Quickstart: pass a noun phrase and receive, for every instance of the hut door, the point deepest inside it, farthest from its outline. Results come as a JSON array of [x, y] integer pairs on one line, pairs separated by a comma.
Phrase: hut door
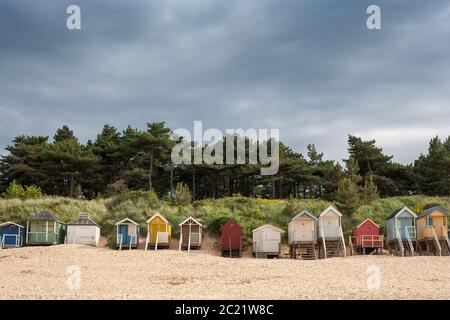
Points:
[[185, 234], [402, 224], [306, 230], [123, 230]]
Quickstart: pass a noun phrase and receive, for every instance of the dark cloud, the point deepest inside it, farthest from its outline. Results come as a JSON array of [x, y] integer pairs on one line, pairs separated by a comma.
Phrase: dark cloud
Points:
[[310, 68]]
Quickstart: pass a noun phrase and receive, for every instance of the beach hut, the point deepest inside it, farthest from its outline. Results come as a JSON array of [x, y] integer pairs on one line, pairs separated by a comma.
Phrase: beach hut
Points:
[[366, 237], [331, 237], [302, 236], [159, 232], [267, 241], [127, 234], [190, 234], [45, 229], [11, 235], [83, 231], [231, 239], [401, 232], [432, 231]]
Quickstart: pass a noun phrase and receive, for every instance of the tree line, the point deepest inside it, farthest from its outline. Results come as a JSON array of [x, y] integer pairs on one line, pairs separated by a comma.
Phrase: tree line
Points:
[[132, 159]]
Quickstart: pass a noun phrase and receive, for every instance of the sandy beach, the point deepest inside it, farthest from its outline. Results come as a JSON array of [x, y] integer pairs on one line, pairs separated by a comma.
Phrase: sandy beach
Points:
[[42, 273]]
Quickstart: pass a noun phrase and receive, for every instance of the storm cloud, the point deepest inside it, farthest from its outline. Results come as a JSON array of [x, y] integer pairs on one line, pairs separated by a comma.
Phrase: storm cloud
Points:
[[310, 68]]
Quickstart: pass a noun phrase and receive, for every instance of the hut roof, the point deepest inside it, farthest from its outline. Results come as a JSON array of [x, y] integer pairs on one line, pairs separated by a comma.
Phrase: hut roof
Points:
[[83, 219], [193, 220], [44, 216], [331, 208], [158, 215], [269, 226], [232, 221], [397, 212], [393, 214], [127, 220], [431, 210], [368, 219], [4, 224], [304, 212]]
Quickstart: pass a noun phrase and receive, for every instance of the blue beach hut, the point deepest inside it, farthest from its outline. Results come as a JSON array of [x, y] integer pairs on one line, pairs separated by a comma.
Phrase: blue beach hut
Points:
[[11, 235], [401, 235], [127, 234]]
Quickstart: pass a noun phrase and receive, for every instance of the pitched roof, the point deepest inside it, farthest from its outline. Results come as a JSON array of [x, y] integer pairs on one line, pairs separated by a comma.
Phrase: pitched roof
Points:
[[193, 220], [393, 214], [368, 219], [431, 210], [127, 220], [83, 219], [396, 212], [332, 209], [269, 226], [44, 216], [158, 215], [9, 223], [304, 212]]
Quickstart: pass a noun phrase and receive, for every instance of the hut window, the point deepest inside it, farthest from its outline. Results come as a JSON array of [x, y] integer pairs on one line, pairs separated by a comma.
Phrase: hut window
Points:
[[430, 222]]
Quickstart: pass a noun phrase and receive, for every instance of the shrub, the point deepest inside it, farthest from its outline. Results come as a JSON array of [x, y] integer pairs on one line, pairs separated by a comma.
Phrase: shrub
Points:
[[112, 242], [216, 223], [182, 196], [117, 187], [14, 191], [17, 191], [33, 192]]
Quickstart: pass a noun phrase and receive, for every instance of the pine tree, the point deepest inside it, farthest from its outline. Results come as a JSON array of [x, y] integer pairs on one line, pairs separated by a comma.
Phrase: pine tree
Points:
[[369, 191], [64, 134], [348, 196]]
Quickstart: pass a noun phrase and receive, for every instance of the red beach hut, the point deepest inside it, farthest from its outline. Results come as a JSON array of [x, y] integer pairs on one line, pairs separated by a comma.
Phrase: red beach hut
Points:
[[366, 236], [231, 239]]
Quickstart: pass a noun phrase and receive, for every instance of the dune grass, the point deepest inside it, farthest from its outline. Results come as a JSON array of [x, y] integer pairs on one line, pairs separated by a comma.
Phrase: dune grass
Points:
[[249, 212]]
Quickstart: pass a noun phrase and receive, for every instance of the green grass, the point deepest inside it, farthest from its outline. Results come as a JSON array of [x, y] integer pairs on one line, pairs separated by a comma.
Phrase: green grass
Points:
[[250, 213]]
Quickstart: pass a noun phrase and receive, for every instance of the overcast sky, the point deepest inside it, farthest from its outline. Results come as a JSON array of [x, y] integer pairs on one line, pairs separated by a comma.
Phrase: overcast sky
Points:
[[310, 68]]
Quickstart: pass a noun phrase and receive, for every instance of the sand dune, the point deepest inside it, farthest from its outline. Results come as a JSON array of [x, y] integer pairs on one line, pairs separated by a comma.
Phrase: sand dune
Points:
[[41, 273]]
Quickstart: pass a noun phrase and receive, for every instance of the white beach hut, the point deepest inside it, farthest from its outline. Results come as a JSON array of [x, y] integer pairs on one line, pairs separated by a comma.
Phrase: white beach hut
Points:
[[302, 236], [190, 234], [331, 237], [83, 231], [267, 241]]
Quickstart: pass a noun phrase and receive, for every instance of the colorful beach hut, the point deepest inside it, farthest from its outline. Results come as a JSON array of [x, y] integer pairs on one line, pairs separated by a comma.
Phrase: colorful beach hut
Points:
[[432, 231], [45, 229], [401, 232], [366, 238], [231, 239], [190, 234], [159, 232], [267, 241], [127, 234], [331, 237], [12, 235], [302, 236], [83, 231]]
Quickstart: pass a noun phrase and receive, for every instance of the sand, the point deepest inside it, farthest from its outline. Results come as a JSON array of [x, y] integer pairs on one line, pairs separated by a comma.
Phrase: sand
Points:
[[41, 273]]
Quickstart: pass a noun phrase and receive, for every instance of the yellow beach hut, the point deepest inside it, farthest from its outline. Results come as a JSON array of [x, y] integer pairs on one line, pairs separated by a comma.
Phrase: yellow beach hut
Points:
[[159, 232], [432, 231]]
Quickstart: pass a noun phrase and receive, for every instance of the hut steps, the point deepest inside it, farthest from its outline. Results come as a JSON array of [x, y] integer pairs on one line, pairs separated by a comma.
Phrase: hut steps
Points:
[[445, 248], [307, 252], [334, 249]]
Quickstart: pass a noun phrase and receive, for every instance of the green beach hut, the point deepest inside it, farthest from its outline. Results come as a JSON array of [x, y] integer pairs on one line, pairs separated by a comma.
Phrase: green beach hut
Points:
[[45, 229]]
